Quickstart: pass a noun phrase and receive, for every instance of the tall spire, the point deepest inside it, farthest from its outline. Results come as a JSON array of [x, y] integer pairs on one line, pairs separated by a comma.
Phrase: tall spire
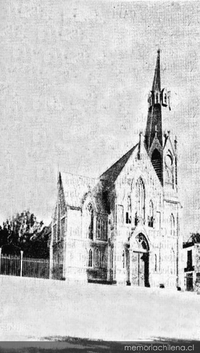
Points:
[[156, 81], [154, 119], [153, 134]]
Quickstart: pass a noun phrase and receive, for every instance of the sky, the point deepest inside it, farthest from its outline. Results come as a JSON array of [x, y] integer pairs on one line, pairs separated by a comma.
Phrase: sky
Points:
[[74, 81]]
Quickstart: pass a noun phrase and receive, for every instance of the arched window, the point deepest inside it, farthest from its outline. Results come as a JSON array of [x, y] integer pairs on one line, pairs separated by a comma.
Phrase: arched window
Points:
[[156, 263], [165, 98], [123, 259], [90, 258], [97, 257], [128, 212], [102, 259], [169, 169], [140, 197], [104, 229], [142, 241], [111, 258], [151, 214], [172, 225], [89, 221], [98, 228], [172, 262]]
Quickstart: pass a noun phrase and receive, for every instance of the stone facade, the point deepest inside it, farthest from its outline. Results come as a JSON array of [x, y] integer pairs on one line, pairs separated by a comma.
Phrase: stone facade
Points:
[[123, 227]]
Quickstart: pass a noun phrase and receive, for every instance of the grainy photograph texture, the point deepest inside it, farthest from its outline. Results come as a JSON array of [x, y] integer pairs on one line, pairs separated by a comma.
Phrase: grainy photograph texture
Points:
[[99, 171]]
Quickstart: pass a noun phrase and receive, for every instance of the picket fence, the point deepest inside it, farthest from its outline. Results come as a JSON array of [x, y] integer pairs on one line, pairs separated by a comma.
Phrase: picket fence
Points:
[[25, 267]]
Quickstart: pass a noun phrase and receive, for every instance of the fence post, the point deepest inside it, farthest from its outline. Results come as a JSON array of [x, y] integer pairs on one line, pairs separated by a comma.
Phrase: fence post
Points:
[[0, 260], [21, 262], [51, 258]]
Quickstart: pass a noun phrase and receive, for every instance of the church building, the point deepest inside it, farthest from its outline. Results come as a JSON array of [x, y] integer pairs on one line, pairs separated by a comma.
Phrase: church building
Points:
[[123, 228]]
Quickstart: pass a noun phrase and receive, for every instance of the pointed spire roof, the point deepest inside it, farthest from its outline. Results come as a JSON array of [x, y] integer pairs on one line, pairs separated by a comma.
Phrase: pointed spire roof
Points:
[[154, 134], [157, 81], [59, 178], [154, 118]]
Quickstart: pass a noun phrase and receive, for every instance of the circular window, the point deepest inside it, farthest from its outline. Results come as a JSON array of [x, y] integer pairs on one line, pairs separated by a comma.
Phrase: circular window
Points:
[[168, 161]]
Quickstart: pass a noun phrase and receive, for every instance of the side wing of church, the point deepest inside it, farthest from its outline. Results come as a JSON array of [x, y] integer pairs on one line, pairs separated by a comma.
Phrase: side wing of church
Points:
[[123, 228]]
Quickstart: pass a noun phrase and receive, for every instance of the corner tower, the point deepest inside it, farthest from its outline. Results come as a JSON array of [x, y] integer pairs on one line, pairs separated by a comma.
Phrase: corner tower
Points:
[[154, 135]]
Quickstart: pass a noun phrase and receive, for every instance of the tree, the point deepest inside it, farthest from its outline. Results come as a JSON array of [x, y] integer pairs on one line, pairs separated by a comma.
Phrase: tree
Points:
[[24, 232]]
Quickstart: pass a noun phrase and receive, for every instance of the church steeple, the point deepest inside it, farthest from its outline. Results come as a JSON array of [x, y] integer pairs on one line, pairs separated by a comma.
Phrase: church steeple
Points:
[[154, 119], [156, 81], [157, 99]]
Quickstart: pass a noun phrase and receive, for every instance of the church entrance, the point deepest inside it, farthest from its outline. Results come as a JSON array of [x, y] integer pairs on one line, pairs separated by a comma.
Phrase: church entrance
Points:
[[189, 281], [139, 262], [140, 269]]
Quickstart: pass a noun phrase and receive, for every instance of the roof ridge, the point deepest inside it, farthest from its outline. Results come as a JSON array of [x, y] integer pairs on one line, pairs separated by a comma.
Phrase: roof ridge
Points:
[[132, 148], [78, 175], [115, 169]]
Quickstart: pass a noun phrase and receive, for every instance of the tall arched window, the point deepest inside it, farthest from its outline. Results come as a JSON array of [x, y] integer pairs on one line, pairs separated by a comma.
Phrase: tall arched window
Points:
[[89, 221], [123, 259], [172, 261], [156, 263], [140, 197], [90, 258], [97, 257], [104, 229], [172, 225], [98, 228], [128, 209], [151, 214], [169, 174], [111, 258], [102, 259]]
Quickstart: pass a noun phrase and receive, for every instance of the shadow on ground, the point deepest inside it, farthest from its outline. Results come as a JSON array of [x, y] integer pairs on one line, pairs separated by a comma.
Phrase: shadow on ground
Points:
[[72, 344]]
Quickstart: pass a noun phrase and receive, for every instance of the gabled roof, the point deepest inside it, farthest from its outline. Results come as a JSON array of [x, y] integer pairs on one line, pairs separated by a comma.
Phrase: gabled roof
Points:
[[75, 187], [111, 174]]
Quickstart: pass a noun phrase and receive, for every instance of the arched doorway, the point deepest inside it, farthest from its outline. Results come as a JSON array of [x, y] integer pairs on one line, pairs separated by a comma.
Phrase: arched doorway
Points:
[[139, 261]]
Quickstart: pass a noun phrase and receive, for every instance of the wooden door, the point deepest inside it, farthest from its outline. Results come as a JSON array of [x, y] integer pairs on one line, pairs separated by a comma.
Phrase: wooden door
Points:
[[140, 270], [134, 269]]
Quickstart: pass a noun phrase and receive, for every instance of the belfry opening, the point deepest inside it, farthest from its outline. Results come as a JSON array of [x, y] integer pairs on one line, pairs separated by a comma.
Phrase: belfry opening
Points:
[[156, 160]]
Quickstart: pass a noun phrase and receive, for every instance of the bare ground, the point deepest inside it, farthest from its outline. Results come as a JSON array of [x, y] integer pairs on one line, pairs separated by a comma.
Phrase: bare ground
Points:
[[36, 309]]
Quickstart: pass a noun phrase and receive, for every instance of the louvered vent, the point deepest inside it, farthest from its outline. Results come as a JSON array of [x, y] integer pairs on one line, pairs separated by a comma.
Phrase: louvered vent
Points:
[[157, 164]]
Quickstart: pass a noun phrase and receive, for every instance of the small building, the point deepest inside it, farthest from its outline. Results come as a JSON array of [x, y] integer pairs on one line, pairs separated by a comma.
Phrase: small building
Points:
[[191, 258]]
